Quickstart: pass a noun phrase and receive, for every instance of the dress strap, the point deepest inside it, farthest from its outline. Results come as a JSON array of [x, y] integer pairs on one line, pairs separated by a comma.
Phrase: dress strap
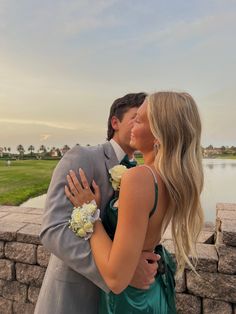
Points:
[[156, 191], [153, 173]]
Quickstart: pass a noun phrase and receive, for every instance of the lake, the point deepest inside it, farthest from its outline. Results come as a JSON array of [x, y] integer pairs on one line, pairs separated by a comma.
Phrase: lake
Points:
[[219, 187]]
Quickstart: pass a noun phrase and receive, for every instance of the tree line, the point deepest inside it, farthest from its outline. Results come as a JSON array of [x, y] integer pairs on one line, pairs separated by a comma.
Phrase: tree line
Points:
[[42, 151]]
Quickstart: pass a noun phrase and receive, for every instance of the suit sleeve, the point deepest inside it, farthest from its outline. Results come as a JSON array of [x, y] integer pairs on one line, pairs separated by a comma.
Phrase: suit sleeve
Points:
[[55, 234]]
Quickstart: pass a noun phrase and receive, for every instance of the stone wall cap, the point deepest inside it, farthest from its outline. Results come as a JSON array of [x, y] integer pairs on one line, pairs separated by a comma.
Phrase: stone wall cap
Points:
[[226, 214], [226, 206], [29, 234], [8, 230]]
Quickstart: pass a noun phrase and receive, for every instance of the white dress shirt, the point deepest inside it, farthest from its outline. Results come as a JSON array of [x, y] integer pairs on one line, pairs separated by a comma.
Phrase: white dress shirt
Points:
[[120, 154]]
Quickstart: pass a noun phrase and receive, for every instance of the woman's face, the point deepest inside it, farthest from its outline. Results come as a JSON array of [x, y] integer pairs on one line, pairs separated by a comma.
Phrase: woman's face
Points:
[[141, 136]]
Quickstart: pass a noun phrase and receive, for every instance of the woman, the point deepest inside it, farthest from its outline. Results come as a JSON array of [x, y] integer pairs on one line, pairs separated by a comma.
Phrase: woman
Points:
[[167, 187]]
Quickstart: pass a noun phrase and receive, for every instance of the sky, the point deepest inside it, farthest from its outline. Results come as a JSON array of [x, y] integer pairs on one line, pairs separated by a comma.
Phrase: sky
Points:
[[63, 63]]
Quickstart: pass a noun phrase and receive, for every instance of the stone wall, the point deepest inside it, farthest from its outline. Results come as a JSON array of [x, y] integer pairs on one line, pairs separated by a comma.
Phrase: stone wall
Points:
[[23, 262], [213, 290]]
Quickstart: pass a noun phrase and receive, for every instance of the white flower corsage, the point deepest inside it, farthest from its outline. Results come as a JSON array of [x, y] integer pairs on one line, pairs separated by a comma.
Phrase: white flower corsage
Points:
[[83, 219], [116, 174]]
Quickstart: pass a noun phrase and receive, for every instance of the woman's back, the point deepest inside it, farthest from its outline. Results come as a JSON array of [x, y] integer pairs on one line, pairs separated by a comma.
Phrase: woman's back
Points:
[[159, 199]]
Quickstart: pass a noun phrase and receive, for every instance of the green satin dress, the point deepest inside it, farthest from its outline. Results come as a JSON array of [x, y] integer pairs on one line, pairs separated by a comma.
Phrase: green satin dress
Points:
[[158, 299]]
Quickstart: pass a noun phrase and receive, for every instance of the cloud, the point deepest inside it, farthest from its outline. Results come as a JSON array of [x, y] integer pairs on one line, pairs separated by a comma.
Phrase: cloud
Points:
[[44, 137], [80, 127], [60, 18], [41, 123], [87, 15], [180, 30]]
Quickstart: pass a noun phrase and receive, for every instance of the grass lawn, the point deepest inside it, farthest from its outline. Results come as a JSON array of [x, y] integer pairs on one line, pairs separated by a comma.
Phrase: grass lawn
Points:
[[226, 156], [24, 179], [140, 160]]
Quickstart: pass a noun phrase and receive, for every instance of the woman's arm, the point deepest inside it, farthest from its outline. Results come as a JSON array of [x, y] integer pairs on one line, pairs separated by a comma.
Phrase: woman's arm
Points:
[[117, 260]]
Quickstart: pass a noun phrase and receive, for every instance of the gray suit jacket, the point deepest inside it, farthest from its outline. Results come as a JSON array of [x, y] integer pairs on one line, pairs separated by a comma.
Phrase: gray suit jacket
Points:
[[72, 280]]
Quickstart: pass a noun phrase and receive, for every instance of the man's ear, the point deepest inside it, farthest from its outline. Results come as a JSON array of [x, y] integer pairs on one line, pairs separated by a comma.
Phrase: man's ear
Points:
[[115, 123]]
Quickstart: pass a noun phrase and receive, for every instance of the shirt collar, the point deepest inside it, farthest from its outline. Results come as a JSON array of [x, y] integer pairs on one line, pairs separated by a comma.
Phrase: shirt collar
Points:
[[120, 154]]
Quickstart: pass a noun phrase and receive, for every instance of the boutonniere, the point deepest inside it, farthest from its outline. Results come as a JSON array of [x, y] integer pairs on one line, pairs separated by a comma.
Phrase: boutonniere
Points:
[[116, 174]]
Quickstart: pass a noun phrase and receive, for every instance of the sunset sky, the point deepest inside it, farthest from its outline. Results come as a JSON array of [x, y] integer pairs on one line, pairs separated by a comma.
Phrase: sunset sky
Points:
[[62, 63]]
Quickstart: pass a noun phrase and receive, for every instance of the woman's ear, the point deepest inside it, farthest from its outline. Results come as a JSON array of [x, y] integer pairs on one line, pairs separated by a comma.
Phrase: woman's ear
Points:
[[156, 146]]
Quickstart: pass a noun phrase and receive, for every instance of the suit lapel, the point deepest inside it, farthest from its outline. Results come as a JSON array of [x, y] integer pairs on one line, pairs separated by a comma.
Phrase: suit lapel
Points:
[[110, 156]]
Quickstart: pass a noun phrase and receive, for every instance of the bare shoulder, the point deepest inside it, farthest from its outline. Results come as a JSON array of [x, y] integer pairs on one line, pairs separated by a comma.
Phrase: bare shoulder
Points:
[[137, 189], [136, 175]]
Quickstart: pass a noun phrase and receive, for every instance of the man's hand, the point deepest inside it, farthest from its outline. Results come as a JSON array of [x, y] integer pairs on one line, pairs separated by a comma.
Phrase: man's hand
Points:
[[146, 271]]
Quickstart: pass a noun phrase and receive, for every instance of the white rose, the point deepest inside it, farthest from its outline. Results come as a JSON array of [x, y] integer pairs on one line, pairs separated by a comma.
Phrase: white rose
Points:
[[81, 233], [90, 208], [115, 185], [76, 216], [117, 171], [116, 174]]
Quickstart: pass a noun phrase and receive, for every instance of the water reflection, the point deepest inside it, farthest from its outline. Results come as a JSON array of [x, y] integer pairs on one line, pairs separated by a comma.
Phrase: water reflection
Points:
[[223, 163], [219, 185]]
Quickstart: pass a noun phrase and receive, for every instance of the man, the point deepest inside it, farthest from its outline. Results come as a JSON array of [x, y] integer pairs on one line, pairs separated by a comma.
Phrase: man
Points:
[[72, 281]]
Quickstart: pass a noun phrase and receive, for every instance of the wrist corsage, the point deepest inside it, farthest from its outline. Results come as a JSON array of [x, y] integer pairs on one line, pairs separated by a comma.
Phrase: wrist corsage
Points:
[[83, 219]]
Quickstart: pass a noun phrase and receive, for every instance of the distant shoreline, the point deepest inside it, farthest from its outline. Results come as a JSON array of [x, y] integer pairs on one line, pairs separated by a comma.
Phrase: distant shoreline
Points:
[[220, 157]]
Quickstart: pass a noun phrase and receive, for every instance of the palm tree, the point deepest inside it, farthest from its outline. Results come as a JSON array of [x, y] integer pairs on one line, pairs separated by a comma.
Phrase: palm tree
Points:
[[31, 149], [65, 149], [210, 147], [21, 150], [9, 150], [42, 151], [58, 152], [43, 148]]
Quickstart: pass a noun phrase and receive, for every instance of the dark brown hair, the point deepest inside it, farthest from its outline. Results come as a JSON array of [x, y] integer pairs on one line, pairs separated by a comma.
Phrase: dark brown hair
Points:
[[120, 106]]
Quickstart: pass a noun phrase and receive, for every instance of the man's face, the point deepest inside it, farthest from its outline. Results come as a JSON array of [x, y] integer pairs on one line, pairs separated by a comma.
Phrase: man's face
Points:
[[123, 127]]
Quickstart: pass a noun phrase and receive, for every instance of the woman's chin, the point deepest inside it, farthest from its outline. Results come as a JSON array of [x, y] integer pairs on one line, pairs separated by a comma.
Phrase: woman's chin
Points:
[[132, 144]]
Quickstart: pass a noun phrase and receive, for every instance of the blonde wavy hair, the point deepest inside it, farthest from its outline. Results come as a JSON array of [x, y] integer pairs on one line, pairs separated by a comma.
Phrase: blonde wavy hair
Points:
[[175, 123]]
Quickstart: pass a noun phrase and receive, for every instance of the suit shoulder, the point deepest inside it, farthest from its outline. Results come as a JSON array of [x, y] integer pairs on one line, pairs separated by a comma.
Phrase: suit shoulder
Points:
[[82, 154], [84, 150]]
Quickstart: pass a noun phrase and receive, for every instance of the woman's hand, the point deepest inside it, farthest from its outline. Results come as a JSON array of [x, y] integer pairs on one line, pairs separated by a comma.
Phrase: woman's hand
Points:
[[78, 193]]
